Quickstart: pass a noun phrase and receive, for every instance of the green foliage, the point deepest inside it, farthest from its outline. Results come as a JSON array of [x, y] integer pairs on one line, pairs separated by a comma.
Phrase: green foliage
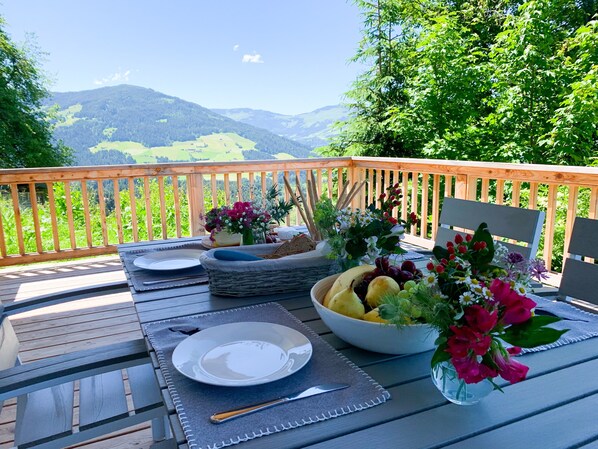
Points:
[[532, 333], [479, 80], [25, 134]]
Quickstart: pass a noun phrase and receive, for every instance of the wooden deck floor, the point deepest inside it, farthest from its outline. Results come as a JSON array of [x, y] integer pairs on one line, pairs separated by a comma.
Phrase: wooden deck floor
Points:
[[70, 327]]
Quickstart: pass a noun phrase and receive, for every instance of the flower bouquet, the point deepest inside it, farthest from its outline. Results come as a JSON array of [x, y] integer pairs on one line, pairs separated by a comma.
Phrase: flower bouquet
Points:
[[475, 296], [248, 218], [360, 236]]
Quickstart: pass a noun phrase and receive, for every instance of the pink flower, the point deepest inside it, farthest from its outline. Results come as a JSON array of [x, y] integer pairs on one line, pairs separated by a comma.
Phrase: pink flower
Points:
[[480, 319], [509, 369], [472, 371], [465, 341], [518, 308]]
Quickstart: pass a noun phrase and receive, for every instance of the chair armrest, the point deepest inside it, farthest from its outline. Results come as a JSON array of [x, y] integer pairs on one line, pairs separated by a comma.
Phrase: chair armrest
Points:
[[52, 371], [63, 296]]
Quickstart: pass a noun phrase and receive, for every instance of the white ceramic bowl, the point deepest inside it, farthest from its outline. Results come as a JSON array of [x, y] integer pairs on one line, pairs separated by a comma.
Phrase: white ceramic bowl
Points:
[[377, 337]]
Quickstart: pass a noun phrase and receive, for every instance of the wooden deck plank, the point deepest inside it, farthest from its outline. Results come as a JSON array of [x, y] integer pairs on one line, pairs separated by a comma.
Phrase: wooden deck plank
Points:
[[70, 327]]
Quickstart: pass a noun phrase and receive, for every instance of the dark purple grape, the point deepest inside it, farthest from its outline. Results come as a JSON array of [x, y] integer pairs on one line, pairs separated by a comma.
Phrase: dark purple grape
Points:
[[394, 272], [406, 275], [378, 263], [369, 277], [377, 272], [418, 274], [408, 266], [361, 289], [385, 264]]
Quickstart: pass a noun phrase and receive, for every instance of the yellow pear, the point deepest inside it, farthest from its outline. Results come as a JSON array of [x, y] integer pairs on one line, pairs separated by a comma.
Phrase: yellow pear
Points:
[[346, 302], [374, 316], [352, 275], [379, 287]]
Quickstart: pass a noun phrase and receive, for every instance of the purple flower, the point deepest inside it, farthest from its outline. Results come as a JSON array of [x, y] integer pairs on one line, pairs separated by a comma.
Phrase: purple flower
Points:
[[515, 258], [537, 269]]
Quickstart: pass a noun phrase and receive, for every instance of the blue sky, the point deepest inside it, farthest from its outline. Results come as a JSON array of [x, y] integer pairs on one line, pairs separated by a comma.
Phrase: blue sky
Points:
[[285, 56]]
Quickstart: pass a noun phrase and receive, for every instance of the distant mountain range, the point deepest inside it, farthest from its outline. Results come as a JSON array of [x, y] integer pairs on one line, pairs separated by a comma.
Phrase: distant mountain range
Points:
[[312, 128], [130, 124]]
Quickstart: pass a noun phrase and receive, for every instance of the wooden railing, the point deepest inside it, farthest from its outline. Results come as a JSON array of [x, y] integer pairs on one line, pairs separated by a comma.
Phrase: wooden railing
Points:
[[58, 213]]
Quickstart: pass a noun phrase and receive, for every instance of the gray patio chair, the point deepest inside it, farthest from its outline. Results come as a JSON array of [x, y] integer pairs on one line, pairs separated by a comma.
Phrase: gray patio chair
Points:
[[45, 388], [523, 226], [580, 277]]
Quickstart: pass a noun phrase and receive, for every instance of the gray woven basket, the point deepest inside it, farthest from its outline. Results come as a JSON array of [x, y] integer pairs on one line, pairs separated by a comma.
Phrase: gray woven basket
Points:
[[264, 277]]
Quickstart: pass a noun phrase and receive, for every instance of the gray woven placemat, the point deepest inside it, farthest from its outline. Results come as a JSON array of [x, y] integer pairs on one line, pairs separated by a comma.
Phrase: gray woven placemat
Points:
[[194, 275], [581, 324], [195, 402]]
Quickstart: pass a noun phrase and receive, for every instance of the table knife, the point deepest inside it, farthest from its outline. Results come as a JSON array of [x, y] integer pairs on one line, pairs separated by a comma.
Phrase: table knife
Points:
[[160, 281], [221, 417]]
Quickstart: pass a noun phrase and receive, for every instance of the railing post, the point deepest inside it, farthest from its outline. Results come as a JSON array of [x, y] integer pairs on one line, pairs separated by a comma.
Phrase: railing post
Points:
[[461, 187], [353, 176], [196, 206]]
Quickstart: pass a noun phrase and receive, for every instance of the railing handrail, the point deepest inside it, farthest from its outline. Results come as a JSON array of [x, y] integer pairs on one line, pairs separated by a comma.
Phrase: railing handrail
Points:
[[563, 174], [95, 172]]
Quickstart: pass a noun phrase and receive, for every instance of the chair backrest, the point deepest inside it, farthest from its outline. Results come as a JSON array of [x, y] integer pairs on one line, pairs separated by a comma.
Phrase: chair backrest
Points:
[[9, 345], [504, 222], [580, 277]]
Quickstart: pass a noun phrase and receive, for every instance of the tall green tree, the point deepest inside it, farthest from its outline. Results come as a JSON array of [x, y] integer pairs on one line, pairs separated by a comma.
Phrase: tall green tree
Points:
[[25, 133], [476, 79], [379, 88]]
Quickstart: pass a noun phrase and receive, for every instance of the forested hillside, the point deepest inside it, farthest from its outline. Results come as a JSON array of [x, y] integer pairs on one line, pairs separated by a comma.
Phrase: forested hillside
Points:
[[143, 125], [313, 129]]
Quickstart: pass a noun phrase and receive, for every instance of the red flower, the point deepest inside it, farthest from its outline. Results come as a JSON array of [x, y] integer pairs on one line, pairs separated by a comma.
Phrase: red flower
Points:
[[458, 239], [480, 319], [465, 340], [509, 369], [518, 308], [472, 371]]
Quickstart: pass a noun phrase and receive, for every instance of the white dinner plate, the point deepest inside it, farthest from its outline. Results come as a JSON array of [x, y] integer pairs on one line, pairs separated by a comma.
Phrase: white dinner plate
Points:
[[242, 354], [174, 259]]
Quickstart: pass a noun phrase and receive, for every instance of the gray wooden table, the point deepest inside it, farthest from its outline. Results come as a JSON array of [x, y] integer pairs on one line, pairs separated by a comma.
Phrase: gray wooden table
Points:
[[554, 408]]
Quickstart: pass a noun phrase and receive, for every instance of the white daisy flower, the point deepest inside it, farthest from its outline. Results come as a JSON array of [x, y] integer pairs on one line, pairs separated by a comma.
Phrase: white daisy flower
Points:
[[520, 288], [429, 280], [467, 298]]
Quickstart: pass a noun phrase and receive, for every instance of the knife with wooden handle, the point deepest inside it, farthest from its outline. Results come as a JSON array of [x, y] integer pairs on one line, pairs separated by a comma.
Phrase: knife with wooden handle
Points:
[[221, 417], [161, 281]]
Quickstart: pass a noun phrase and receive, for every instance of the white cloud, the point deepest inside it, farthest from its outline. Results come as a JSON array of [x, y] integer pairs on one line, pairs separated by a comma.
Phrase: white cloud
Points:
[[235, 47], [118, 77], [255, 58]]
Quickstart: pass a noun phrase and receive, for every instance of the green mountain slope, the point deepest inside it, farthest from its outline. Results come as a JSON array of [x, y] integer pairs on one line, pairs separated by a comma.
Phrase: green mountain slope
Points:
[[125, 124], [312, 128]]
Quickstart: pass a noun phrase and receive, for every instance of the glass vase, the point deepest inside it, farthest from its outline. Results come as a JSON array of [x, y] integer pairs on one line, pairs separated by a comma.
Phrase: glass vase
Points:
[[248, 236], [457, 390]]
